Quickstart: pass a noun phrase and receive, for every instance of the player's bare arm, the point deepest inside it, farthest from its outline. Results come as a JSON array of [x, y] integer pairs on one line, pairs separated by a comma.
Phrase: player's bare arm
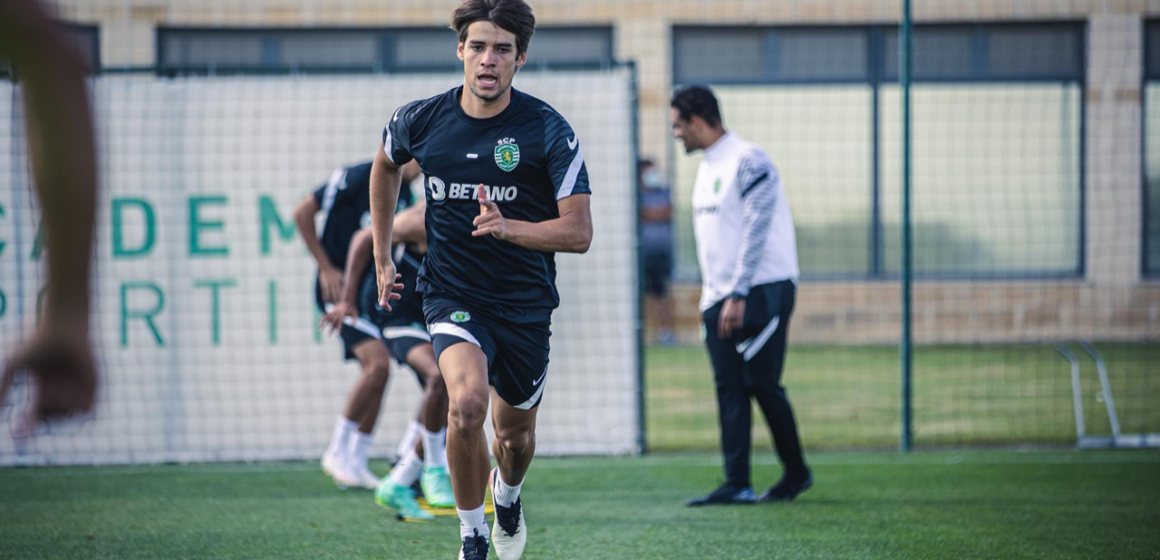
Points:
[[570, 233], [329, 276], [356, 262], [63, 155], [385, 180], [410, 227]]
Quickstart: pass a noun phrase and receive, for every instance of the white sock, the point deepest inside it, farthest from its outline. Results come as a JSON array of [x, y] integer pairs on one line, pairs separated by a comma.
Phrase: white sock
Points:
[[409, 439], [472, 522], [406, 471], [505, 495], [339, 440], [359, 449], [434, 451]]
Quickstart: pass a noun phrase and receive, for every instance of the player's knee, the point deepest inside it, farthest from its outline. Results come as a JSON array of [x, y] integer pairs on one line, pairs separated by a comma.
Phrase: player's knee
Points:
[[467, 411], [377, 374], [436, 387], [515, 440]]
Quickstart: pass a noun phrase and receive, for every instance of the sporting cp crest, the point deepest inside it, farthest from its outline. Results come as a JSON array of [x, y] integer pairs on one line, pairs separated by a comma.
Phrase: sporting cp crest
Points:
[[461, 317], [507, 154]]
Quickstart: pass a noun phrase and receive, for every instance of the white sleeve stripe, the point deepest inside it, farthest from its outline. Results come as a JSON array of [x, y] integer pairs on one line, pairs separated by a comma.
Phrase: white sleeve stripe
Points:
[[336, 179], [387, 145], [570, 177]]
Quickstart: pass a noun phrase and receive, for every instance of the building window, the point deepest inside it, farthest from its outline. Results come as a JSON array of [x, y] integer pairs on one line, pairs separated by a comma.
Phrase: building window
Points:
[[996, 153], [410, 49]]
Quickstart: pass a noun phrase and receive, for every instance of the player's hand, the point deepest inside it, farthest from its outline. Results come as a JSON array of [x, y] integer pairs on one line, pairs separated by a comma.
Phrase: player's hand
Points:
[[731, 315], [334, 317], [388, 281], [64, 375], [490, 220], [330, 280]]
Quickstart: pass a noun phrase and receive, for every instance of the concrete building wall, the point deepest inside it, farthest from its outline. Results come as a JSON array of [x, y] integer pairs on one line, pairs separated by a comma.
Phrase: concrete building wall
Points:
[[1112, 300]]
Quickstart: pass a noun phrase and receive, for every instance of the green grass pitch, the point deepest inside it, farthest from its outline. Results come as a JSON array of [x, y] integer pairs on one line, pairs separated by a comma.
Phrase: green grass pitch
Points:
[[982, 503], [847, 397], [1002, 505]]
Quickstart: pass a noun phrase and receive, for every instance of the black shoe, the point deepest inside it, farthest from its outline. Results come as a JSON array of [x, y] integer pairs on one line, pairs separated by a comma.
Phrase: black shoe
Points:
[[474, 548], [725, 495], [787, 488]]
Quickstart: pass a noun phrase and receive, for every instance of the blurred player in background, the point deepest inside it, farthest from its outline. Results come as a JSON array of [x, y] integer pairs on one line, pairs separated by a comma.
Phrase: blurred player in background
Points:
[[405, 334], [350, 303], [749, 270], [506, 189], [656, 246], [61, 146]]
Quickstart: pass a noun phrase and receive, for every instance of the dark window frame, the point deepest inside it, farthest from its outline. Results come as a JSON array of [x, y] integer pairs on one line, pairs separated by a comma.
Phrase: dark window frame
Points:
[[876, 37], [605, 62], [387, 38], [876, 76], [1147, 76], [91, 33]]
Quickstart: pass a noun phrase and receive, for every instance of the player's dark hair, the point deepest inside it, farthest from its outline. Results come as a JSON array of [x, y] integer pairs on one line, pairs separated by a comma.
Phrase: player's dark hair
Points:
[[699, 101], [514, 16]]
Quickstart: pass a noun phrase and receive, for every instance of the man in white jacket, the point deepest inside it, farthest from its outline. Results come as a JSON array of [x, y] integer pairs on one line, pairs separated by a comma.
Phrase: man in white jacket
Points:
[[749, 271]]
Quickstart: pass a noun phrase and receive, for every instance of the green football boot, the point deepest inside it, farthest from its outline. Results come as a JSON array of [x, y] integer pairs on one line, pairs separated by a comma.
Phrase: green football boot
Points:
[[402, 500], [436, 483]]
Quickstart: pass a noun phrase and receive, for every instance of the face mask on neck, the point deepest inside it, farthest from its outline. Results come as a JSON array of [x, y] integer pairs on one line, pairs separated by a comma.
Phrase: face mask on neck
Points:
[[651, 179]]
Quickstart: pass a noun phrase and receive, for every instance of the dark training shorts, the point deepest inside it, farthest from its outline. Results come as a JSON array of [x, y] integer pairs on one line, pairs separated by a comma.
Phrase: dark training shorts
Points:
[[401, 329], [354, 331], [517, 354]]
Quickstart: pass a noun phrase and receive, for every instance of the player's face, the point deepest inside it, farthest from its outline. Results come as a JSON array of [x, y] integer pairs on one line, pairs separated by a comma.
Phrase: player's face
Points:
[[684, 130], [489, 60]]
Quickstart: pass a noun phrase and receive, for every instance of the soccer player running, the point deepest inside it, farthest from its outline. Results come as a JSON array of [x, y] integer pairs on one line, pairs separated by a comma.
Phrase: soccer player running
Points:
[[749, 271], [351, 305], [506, 189]]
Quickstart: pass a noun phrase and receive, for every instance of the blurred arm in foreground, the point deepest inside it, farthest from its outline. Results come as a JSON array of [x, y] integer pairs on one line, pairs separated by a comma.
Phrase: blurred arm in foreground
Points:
[[61, 145]]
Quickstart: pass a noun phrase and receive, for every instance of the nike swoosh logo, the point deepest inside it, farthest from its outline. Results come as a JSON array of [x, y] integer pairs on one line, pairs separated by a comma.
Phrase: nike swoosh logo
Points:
[[536, 383], [572, 143], [397, 113]]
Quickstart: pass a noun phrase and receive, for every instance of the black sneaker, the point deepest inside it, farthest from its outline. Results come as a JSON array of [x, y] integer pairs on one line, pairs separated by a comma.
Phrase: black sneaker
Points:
[[725, 495], [474, 548], [787, 488]]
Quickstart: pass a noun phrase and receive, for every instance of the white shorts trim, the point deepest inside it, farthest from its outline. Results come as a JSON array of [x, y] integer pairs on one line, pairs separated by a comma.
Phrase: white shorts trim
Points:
[[358, 323], [453, 330], [536, 397], [406, 332]]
